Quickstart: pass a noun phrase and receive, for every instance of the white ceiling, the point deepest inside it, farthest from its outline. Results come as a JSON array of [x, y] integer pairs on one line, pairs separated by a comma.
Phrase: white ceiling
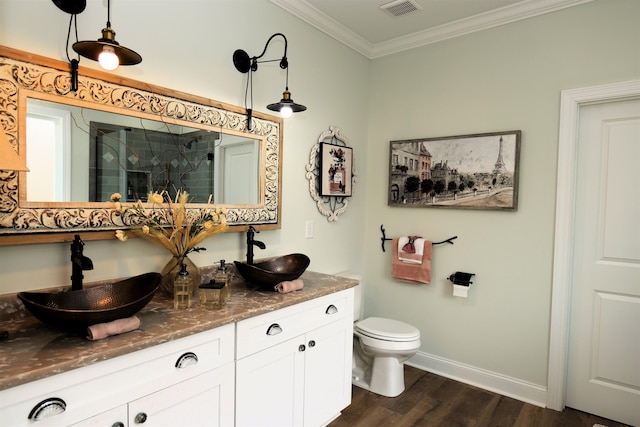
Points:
[[365, 27]]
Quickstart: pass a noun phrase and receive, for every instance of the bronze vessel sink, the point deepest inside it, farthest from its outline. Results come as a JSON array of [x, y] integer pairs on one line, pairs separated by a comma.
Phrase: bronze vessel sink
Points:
[[270, 272], [75, 310]]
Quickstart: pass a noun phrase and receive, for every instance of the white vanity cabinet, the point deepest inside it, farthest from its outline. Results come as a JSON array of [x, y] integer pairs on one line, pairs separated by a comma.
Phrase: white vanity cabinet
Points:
[[189, 381], [293, 365]]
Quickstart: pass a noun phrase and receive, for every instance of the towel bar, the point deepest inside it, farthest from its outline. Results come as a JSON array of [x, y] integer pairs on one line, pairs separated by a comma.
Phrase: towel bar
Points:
[[384, 238]]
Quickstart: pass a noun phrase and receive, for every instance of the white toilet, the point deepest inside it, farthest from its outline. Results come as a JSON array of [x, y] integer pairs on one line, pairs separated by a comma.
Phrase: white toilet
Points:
[[380, 348]]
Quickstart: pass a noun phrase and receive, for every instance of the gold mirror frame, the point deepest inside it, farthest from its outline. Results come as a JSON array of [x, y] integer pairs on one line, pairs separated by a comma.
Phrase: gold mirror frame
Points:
[[23, 74]]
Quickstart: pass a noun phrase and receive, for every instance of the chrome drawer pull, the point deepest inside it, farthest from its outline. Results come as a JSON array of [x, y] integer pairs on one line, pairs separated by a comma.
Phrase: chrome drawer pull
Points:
[[186, 360], [47, 408], [332, 309], [274, 329]]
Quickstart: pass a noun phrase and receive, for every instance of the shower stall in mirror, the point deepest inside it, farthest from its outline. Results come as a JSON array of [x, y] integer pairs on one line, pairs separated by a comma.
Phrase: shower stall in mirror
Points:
[[85, 155]]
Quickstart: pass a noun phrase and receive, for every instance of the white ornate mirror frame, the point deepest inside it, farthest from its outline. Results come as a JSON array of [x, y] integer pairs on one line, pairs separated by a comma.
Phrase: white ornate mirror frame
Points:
[[23, 74], [329, 206]]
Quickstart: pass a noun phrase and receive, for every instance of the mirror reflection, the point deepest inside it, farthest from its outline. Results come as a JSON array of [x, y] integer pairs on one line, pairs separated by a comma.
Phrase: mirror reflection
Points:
[[78, 154], [118, 135]]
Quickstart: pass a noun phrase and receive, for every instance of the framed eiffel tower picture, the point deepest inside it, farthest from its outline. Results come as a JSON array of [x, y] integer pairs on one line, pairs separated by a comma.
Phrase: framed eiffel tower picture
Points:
[[478, 171]]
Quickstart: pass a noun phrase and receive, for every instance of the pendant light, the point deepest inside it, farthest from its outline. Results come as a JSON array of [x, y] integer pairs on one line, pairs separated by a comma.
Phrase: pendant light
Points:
[[286, 106], [246, 64], [106, 50]]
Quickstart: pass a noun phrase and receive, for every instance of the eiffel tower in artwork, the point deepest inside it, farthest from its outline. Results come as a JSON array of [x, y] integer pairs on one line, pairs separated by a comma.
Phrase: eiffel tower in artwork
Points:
[[499, 167]]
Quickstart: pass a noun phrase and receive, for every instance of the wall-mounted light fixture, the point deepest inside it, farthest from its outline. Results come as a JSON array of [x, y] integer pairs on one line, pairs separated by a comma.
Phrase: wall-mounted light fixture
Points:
[[106, 50], [246, 64]]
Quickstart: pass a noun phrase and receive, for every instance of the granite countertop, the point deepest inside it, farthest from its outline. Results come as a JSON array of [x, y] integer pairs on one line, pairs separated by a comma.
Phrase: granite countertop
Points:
[[33, 350]]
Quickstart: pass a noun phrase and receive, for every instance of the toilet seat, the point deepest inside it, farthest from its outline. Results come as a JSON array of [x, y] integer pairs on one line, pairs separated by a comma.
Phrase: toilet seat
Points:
[[387, 329]]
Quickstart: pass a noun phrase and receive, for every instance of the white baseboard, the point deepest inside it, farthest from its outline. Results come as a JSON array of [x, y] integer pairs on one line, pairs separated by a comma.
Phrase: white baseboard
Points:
[[497, 383]]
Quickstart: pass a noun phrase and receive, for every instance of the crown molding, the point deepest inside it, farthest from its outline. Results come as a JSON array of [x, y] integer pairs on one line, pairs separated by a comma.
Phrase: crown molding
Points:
[[523, 10], [314, 17]]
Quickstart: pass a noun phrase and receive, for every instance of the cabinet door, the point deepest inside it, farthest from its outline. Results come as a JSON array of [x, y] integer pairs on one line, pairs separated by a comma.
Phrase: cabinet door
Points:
[[270, 386], [328, 362], [108, 418], [205, 400]]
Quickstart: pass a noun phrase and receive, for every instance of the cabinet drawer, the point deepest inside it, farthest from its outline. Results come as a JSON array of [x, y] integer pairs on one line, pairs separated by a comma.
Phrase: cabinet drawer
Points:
[[266, 330], [99, 387]]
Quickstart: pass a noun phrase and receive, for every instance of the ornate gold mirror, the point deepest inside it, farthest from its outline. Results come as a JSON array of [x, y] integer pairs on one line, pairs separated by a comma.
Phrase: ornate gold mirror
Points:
[[117, 135]]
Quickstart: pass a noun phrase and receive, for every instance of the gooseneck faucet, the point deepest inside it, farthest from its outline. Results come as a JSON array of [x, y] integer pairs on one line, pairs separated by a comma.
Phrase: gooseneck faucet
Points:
[[251, 242], [79, 262]]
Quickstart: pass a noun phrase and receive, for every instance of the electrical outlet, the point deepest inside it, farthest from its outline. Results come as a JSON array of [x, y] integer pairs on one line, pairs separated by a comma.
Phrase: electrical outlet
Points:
[[308, 232]]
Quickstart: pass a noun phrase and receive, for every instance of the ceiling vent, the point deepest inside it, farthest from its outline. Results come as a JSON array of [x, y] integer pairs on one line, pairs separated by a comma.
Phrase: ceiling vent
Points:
[[401, 7]]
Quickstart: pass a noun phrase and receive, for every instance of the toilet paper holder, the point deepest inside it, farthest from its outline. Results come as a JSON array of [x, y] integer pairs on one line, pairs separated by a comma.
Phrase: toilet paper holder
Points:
[[461, 278]]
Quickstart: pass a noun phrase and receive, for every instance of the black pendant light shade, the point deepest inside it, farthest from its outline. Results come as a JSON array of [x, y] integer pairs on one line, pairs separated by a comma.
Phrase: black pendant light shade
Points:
[[93, 49], [286, 103], [115, 54]]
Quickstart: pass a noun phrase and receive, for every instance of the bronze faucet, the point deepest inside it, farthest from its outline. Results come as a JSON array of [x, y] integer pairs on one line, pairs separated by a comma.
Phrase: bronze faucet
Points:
[[79, 262], [251, 242]]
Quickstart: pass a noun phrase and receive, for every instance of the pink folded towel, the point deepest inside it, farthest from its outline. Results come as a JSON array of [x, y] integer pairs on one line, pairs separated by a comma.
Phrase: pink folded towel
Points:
[[410, 272], [120, 326], [293, 285]]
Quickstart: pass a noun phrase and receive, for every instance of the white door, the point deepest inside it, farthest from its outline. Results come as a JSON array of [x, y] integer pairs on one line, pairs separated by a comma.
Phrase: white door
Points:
[[603, 369], [239, 173]]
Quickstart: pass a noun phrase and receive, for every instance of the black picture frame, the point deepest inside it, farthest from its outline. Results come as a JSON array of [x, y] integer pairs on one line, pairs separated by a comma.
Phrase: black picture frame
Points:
[[336, 170]]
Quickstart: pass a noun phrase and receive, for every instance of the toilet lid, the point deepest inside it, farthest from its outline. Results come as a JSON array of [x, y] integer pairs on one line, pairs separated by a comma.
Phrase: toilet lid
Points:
[[387, 329]]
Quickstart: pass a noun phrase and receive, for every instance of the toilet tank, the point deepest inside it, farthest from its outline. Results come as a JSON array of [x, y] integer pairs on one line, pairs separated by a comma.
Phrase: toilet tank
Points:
[[357, 295]]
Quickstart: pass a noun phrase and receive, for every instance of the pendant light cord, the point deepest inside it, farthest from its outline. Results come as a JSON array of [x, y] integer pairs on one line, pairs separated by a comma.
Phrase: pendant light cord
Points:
[[73, 19], [246, 93], [108, 13]]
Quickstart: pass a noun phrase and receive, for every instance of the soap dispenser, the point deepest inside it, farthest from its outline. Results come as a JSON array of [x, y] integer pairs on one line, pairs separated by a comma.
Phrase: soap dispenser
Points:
[[217, 292], [182, 289]]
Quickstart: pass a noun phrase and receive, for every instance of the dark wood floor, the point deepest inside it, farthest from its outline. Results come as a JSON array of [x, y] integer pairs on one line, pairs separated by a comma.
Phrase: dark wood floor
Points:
[[434, 401]]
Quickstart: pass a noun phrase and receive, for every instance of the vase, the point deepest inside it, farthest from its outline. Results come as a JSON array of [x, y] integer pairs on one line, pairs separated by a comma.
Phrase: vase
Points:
[[170, 273]]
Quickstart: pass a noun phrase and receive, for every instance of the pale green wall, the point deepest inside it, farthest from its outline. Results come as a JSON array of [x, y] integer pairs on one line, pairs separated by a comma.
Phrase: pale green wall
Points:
[[499, 79], [187, 45], [504, 78]]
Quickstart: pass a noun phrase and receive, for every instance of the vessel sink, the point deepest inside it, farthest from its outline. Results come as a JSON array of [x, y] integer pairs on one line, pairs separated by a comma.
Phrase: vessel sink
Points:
[[270, 272], [74, 311]]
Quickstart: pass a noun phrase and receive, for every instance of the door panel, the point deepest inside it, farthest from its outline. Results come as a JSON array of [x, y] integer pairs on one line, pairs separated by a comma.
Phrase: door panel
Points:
[[270, 386], [604, 339], [621, 203], [328, 371], [616, 341]]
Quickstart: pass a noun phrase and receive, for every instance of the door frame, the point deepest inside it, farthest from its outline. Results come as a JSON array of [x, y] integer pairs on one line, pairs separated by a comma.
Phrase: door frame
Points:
[[570, 102]]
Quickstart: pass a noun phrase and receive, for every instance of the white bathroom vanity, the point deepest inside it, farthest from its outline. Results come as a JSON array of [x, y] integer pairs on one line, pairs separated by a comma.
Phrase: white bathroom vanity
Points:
[[265, 359]]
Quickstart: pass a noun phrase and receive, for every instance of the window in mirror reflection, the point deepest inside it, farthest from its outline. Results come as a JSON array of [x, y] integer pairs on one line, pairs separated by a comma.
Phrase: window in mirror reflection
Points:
[[112, 153]]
